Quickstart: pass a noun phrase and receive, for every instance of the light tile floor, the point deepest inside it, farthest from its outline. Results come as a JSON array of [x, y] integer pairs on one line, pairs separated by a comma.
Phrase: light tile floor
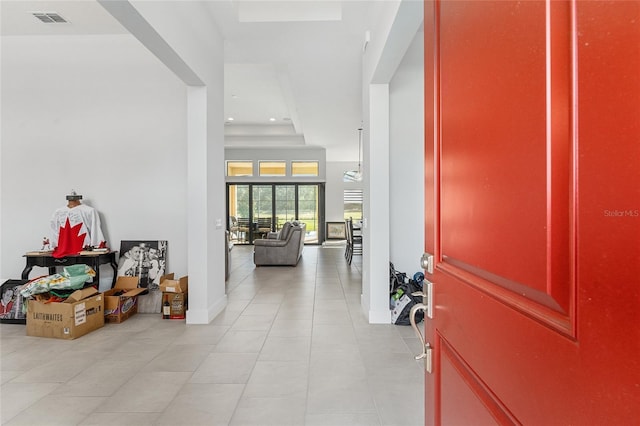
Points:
[[292, 347]]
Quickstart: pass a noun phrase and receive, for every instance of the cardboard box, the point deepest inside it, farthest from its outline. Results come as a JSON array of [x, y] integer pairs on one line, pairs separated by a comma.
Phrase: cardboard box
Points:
[[177, 305], [80, 314], [166, 277], [121, 301], [175, 286], [174, 293]]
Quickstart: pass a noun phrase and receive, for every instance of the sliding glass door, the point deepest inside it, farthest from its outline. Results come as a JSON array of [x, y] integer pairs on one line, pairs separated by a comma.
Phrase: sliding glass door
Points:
[[262, 217], [308, 211], [285, 204], [238, 217], [256, 209]]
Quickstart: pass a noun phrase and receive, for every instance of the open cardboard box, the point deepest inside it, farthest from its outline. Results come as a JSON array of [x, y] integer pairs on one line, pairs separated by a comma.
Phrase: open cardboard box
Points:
[[81, 313], [121, 301], [175, 286]]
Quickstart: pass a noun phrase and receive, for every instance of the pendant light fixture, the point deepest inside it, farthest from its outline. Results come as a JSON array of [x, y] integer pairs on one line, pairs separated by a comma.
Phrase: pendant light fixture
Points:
[[355, 175]]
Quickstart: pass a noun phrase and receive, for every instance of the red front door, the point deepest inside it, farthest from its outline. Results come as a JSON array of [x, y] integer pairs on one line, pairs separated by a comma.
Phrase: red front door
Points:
[[533, 211]]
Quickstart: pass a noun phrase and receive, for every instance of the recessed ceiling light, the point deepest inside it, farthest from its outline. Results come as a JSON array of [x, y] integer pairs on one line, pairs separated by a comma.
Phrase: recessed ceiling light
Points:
[[230, 119], [272, 119]]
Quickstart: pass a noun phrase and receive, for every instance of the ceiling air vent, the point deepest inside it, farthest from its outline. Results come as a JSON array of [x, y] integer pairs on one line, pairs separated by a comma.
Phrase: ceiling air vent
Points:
[[49, 17]]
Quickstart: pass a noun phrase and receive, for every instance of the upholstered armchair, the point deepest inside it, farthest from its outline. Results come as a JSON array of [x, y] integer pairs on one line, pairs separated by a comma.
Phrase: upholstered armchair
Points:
[[280, 248]]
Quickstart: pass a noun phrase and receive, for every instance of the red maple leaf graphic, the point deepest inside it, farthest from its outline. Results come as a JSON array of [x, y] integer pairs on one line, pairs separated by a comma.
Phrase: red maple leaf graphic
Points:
[[70, 241]]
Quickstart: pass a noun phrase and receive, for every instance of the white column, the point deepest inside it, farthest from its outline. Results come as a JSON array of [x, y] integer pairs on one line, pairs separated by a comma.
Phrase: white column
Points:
[[205, 194], [196, 201], [375, 267]]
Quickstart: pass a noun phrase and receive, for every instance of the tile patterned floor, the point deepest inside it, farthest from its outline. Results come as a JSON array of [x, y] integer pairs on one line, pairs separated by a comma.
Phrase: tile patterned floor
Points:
[[291, 348]]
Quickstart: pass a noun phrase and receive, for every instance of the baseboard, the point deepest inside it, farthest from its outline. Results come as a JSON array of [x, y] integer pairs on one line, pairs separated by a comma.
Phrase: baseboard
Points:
[[205, 316], [373, 316], [380, 317]]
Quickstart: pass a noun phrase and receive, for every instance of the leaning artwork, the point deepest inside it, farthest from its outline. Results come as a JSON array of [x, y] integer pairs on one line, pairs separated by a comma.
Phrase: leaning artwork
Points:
[[12, 309], [335, 231], [145, 260]]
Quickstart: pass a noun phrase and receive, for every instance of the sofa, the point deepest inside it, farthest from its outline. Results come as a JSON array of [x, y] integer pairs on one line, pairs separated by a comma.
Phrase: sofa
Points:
[[280, 248]]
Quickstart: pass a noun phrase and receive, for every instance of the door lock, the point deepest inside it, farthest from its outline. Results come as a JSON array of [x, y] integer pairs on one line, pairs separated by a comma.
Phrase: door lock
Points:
[[426, 262]]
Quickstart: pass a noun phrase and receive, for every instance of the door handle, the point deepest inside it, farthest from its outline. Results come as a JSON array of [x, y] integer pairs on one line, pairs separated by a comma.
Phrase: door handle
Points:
[[426, 347], [412, 318]]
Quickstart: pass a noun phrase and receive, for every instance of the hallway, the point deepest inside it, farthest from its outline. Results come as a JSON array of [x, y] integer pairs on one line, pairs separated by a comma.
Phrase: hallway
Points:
[[291, 348]]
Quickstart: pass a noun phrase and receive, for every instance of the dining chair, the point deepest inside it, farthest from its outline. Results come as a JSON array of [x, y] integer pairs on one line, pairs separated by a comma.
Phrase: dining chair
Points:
[[348, 252], [233, 228], [356, 240]]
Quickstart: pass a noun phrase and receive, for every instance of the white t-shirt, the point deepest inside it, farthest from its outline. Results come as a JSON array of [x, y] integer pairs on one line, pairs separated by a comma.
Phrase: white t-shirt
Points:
[[85, 216]]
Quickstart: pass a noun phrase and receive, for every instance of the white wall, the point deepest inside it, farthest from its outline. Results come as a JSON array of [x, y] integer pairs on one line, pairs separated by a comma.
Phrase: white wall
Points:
[[406, 160], [101, 115]]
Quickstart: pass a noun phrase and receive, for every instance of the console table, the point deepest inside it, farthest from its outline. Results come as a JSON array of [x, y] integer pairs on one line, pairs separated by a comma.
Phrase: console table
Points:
[[93, 259]]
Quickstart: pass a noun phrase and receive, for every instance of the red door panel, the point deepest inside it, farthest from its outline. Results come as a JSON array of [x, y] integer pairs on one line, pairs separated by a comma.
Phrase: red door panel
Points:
[[458, 390], [504, 175], [532, 117]]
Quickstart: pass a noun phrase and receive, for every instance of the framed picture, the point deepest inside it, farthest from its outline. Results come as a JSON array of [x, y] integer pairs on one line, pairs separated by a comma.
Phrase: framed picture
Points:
[[335, 231], [146, 260], [11, 302]]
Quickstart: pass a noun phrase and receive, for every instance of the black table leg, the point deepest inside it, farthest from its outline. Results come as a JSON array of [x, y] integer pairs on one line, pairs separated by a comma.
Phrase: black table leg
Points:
[[96, 267], [26, 271]]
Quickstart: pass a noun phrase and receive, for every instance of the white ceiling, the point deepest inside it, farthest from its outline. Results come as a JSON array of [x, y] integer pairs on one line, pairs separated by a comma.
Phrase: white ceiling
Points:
[[298, 62]]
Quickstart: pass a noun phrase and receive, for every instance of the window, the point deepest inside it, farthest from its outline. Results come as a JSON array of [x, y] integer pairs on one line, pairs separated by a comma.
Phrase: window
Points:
[[309, 210], [249, 205], [273, 168], [353, 204], [239, 168], [304, 168], [285, 204]]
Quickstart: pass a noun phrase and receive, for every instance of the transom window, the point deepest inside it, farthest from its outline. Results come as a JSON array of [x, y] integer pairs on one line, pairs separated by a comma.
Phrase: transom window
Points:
[[239, 168], [273, 168], [304, 168]]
